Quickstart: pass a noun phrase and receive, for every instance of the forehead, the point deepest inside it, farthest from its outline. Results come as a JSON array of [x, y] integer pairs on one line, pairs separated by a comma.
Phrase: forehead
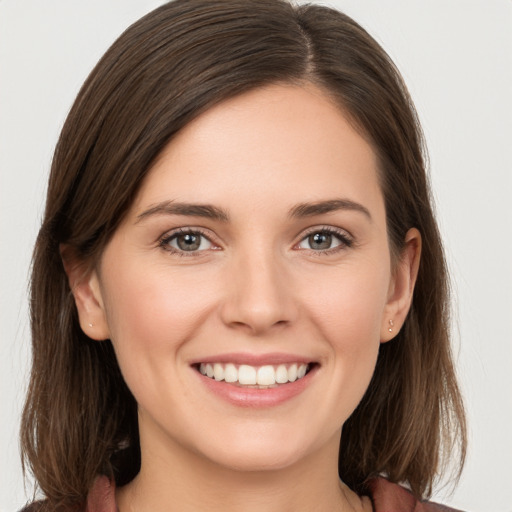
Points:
[[277, 145]]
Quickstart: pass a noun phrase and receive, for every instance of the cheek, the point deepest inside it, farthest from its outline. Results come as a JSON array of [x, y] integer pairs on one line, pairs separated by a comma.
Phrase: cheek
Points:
[[351, 305], [152, 313], [152, 316], [349, 315]]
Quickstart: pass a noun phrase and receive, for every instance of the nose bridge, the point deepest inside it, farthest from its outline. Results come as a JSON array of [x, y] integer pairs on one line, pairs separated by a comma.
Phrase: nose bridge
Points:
[[258, 296]]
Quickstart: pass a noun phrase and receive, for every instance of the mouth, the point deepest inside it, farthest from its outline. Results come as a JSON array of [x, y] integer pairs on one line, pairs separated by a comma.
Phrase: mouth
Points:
[[256, 380], [255, 377]]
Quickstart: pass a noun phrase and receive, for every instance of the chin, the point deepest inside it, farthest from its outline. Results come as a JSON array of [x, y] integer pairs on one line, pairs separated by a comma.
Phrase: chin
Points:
[[262, 449], [257, 459]]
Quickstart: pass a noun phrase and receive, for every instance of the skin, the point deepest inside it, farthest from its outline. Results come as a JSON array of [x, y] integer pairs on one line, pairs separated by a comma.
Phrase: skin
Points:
[[255, 286]]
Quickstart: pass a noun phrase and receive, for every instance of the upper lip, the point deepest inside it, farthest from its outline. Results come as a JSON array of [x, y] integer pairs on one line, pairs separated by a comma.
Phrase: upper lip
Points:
[[254, 359]]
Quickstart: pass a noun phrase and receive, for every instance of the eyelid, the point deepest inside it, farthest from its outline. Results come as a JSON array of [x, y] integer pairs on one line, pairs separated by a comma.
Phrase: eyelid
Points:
[[346, 238], [164, 240]]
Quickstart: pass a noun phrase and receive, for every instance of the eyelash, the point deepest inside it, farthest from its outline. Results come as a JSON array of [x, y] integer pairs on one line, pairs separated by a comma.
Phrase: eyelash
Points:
[[168, 237], [346, 241]]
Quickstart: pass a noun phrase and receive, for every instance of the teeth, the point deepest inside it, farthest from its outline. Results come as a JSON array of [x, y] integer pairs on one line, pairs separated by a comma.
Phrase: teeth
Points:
[[231, 373], [292, 373], [218, 371], [246, 375], [281, 374], [266, 376]]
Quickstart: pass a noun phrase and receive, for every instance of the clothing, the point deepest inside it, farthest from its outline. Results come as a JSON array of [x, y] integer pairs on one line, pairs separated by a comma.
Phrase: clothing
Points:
[[389, 497], [385, 496]]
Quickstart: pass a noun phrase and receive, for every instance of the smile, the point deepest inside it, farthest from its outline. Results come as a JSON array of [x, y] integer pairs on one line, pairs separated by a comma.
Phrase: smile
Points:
[[256, 380], [259, 377]]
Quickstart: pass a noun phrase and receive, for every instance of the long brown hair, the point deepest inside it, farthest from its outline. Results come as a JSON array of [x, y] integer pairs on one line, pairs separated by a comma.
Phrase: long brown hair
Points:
[[80, 419]]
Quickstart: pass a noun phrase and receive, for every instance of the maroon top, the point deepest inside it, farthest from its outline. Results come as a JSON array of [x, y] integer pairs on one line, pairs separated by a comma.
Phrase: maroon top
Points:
[[389, 497], [385, 496]]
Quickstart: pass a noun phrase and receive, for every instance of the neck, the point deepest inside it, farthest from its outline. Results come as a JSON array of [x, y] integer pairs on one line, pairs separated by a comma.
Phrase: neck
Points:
[[177, 479]]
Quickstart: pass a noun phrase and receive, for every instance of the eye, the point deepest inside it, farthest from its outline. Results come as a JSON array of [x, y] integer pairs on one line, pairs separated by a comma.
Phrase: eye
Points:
[[324, 240], [186, 241]]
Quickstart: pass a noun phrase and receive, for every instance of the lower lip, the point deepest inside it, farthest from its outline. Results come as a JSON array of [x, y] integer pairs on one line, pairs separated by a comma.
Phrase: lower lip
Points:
[[252, 397]]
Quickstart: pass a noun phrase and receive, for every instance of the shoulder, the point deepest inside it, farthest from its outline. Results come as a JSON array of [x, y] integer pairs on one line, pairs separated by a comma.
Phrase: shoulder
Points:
[[385, 495], [389, 497], [101, 498]]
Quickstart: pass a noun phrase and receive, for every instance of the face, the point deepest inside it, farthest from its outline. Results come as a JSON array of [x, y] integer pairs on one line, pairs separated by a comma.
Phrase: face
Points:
[[248, 289]]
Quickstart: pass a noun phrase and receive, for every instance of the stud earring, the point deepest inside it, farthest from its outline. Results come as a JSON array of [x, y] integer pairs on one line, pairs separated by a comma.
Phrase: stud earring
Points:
[[391, 326], [90, 325]]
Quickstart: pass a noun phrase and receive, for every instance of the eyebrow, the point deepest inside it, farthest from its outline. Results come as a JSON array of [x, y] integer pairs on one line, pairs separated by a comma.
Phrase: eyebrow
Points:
[[209, 211], [188, 209], [311, 209]]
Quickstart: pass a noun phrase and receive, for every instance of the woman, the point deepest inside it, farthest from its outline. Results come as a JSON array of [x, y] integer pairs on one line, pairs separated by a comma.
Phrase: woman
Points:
[[239, 296]]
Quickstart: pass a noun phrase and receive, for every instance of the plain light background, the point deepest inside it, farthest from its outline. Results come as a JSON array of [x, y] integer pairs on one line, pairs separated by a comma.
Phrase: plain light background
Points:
[[456, 57]]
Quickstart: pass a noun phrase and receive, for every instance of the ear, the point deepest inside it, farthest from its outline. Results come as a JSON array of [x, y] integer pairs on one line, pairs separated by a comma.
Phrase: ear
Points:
[[402, 286], [85, 287]]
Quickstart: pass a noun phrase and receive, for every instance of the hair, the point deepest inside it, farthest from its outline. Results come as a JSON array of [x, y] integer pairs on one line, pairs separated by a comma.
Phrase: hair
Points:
[[80, 419]]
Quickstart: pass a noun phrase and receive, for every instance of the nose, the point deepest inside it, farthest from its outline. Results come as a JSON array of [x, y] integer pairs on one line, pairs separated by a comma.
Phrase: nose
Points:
[[259, 294]]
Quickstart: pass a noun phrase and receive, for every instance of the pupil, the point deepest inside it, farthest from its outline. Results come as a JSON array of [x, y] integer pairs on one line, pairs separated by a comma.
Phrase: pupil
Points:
[[189, 242], [320, 241]]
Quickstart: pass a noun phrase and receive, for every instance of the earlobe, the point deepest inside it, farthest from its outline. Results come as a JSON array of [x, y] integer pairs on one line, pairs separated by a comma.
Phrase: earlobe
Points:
[[402, 286], [85, 287]]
